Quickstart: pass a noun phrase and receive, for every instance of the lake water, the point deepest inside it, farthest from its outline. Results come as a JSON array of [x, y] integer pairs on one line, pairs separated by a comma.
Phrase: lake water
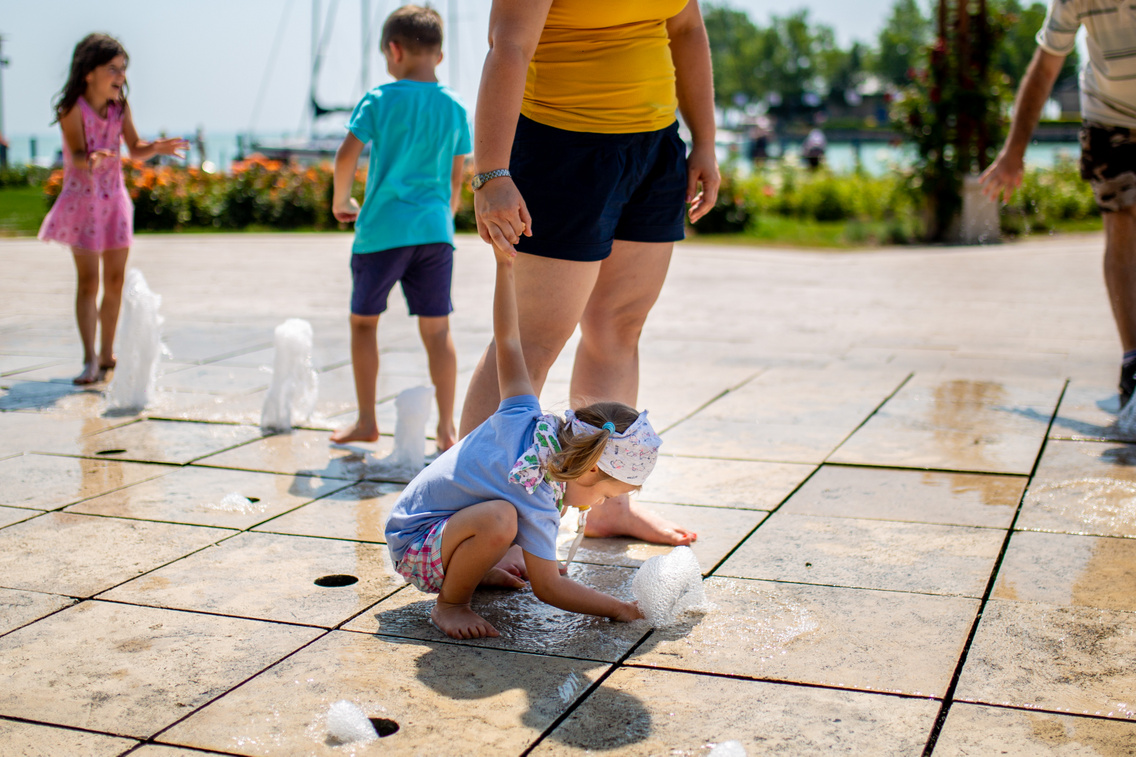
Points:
[[876, 157]]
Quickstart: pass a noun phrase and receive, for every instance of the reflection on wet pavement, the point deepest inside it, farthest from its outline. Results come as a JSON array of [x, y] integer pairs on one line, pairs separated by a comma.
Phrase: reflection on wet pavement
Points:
[[917, 528]]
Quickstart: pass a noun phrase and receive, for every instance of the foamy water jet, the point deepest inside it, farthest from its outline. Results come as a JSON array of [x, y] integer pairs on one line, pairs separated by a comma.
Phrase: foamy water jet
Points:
[[409, 455], [295, 386], [139, 346], [347, 724], [669, 586]]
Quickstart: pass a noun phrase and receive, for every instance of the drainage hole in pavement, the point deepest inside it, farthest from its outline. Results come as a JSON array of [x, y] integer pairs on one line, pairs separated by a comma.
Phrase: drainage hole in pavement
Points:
[[383, 726], [110, 452], [337, 580], [253, 499]]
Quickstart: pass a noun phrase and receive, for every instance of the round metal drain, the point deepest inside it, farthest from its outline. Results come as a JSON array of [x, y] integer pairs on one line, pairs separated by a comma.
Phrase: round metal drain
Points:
[[336, 580]]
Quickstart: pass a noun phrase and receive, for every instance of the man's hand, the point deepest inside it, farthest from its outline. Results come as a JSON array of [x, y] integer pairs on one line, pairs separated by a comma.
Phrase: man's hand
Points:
[[1002, 176]]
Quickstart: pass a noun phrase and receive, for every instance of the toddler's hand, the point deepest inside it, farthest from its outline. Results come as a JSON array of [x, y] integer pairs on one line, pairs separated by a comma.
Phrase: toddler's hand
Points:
[[629, 612], [345, 211]]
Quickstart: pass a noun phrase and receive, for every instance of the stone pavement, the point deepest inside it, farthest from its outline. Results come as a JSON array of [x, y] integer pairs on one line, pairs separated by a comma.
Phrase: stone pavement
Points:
[[916, 525]]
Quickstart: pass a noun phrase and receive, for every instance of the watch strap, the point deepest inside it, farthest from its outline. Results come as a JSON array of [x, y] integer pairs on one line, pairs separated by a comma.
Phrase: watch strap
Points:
[[480, 179]]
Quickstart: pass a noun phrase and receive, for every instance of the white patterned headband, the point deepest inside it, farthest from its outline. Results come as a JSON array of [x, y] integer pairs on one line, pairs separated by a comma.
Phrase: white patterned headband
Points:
[[630, 456]]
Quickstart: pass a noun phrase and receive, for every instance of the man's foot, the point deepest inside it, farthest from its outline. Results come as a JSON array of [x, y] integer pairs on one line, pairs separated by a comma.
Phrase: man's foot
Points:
[[460, 622], [359, 432], [618, 516], [92, 374], [1127, 381]]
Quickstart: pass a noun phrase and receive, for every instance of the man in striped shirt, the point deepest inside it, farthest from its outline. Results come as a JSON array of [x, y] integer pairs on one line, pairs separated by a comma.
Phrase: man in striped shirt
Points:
[[1108, 140]]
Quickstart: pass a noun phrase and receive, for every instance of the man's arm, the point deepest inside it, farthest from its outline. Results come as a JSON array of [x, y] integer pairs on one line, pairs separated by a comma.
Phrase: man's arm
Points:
[[1005, 173]]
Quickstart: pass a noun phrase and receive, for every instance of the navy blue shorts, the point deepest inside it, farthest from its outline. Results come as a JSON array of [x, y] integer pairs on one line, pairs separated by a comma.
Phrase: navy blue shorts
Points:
[[425, 271], [585, 190]]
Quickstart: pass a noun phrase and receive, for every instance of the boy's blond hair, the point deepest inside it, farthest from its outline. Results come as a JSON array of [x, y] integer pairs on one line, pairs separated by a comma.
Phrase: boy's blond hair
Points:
[[415, 28]]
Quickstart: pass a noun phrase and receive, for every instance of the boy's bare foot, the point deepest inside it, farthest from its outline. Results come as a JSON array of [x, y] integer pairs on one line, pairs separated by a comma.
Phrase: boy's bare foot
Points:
[[618, 516], [92, 374], [460, 622], [108, 364], [446, 437], [359, 432]]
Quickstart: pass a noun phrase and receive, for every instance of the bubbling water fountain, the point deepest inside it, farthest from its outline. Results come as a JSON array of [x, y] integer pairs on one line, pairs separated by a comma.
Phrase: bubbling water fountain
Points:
[[139, 347], [669, 586], [347, 724], [409, 455], [295, 386]]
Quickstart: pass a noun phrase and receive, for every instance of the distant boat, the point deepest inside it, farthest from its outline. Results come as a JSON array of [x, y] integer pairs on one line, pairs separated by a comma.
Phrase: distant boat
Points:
[[316, 147]]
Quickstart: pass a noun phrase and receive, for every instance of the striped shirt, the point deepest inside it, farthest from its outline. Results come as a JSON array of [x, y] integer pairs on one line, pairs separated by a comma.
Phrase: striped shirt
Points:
[[1108, 78]]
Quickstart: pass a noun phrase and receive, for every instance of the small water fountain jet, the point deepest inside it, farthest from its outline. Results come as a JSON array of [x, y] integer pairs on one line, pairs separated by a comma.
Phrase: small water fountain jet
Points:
[[347, 724], [1126, 422], [409, 456], [139, 347], [669, 586], [295, 386]]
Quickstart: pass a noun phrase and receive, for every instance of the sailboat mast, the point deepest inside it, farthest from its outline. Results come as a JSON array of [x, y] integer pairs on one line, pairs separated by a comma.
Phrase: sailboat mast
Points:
[[315, 59], [365, 77], [452, 35]]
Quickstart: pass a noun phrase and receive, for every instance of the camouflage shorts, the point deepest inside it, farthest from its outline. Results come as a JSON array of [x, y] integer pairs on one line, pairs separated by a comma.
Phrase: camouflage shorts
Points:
[[1108, 163]]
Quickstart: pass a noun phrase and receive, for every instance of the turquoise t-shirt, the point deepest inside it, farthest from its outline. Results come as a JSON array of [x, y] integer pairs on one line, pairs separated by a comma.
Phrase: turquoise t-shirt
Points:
[[415, 130]]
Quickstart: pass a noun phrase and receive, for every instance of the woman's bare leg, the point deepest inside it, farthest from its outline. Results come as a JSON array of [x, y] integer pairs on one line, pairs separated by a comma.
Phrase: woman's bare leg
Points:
[[551, 296], [87, 312], [607, 368]]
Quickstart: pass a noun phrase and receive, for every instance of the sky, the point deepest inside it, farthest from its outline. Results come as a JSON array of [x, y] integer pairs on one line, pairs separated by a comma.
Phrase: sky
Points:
[[244, 65]]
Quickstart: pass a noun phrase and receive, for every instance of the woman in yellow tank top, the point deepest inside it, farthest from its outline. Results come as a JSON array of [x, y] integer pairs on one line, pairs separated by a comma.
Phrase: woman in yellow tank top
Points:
[[580, 170]]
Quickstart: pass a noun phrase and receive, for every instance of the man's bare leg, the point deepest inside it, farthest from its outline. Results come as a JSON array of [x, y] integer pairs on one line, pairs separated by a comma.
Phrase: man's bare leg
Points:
[[607, 368], [1120, 272]]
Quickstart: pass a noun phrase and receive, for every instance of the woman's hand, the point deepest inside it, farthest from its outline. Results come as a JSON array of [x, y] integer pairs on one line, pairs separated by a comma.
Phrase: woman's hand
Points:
[[501, 214], [702, 168]]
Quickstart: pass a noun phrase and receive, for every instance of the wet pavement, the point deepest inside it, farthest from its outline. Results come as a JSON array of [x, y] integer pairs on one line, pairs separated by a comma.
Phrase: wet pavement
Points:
[[917, 523]]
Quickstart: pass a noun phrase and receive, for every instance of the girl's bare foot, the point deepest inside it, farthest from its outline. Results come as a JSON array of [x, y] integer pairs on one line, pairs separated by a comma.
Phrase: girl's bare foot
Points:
[[92, 374], [618, 516], [359, 432], [460, 622]]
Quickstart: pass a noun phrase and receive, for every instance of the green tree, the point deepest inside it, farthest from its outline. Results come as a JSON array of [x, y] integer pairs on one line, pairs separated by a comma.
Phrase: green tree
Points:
[[903, 42], [1017, 48], [736, 53]]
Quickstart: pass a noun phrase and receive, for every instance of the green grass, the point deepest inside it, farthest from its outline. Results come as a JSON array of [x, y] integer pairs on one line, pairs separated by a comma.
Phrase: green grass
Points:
[[21, 211]]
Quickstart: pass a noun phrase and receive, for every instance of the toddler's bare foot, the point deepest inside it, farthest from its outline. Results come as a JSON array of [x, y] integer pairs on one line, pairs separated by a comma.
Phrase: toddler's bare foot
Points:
[[446, 437], [502, 579], [359, 432], [460, 622], [92, 374], [618, 516]]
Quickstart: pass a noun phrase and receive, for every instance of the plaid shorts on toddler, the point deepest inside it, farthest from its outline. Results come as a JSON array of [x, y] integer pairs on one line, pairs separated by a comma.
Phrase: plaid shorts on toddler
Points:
[[421, 565]]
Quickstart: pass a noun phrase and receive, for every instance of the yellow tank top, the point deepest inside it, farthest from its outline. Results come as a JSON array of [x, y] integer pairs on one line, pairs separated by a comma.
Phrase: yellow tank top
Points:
[[604, 66]]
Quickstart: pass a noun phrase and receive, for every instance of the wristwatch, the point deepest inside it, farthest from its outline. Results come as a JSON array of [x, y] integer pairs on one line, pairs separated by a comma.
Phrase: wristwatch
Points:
[[480, 179]]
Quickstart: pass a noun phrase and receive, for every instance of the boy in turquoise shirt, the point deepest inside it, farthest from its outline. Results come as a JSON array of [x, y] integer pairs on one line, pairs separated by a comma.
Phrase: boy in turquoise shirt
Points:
[[419, 135]]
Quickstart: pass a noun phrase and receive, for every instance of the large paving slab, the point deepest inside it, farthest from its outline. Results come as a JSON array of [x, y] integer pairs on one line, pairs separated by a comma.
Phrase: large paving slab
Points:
[[1083, 488], [132, 670]]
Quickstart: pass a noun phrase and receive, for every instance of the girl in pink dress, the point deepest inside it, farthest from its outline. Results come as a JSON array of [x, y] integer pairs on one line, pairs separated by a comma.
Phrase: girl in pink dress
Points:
[[93, 214]]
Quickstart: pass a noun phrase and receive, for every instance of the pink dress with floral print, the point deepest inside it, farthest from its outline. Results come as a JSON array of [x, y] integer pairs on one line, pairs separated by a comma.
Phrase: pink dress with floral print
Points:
[[93, 212]]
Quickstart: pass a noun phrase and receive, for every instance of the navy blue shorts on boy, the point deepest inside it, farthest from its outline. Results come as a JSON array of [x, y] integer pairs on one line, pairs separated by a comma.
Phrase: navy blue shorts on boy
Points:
[[425, 271], [585, 190]]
